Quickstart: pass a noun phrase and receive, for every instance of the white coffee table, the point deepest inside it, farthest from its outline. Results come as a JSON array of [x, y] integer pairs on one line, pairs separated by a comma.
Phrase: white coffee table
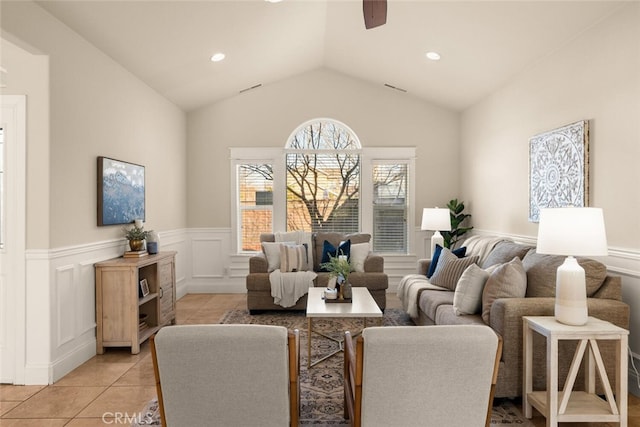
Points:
[[363, 305]]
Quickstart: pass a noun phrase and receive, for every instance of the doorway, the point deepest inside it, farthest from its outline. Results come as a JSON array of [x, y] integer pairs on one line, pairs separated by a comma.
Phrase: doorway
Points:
[[12, 237]]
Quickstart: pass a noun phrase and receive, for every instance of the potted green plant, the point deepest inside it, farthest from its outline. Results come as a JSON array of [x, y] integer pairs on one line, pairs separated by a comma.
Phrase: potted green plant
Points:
[[339, 267], [456, 211], [136, 237]]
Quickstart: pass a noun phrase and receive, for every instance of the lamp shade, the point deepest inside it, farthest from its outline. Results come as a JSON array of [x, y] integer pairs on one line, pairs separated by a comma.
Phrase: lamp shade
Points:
[[436, 219], [572, 231]]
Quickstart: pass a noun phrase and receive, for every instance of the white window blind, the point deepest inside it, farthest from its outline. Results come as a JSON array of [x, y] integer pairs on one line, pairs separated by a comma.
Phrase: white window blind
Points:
[[390, 207]]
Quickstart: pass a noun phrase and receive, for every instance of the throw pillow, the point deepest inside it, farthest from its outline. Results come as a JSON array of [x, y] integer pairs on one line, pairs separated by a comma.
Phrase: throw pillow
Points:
[[460, 253], [359, 252], [301, 238], [541, 273], [272, 252], [507, 281], [293, 258], [504, 252], [467, 298], [328, 250], [335, 239], [450, 268]]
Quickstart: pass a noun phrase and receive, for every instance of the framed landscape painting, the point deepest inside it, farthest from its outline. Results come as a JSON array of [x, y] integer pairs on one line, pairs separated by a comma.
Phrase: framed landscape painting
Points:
[[559, 169], [120, 192]]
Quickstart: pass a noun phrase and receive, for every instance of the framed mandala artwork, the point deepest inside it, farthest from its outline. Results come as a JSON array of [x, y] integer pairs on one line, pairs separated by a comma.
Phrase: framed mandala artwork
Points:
[[559, 168]]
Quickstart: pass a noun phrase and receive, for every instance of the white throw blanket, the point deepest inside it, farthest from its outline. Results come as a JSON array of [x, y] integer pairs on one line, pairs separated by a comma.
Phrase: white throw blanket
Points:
[[287, 288], [408, 290], [481, 246]]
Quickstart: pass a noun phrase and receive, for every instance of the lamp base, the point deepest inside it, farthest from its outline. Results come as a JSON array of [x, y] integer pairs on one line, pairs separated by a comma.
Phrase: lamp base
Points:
[[571, 294], [436, 238]]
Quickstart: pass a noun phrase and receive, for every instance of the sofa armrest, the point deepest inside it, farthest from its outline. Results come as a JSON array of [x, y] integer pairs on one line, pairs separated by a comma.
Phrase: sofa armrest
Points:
[[374, 264], [423, 266], [258, 264]]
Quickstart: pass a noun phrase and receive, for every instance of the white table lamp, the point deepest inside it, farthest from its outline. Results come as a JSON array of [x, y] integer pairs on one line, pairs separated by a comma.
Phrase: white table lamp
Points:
[[571, 232], [436, 220]]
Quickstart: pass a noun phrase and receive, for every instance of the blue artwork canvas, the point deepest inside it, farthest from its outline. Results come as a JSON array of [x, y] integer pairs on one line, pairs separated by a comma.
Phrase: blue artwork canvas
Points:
[[120, 192]]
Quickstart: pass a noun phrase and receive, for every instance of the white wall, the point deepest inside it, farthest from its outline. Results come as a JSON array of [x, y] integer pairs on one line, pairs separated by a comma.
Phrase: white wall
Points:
[[97, 108], [596, 77], [81, 105], [28, 74], [265, 117]]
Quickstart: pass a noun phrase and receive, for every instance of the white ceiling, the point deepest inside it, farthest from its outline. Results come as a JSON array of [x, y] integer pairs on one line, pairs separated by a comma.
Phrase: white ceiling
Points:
[[483, 44]]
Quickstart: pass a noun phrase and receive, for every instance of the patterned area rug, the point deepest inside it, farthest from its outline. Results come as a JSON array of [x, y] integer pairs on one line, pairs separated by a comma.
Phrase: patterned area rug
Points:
[[321, 400]]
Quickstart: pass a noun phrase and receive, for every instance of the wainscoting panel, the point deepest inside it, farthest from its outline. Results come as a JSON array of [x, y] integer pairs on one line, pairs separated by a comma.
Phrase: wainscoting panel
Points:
[[73, 315], [60, 297], [67, 298], [206, 258], [87, 292]]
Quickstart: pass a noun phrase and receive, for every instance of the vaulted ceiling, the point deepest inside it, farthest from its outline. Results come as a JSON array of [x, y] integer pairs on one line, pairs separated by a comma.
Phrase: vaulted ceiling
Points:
[[483, 44]]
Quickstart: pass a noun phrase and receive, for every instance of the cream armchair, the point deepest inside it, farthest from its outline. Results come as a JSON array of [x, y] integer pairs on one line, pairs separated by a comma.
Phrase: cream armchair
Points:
[[430, 376], [227, 375]]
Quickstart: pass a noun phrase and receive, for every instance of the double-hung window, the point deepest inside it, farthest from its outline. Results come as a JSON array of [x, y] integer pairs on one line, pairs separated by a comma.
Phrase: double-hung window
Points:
[[323, 180]]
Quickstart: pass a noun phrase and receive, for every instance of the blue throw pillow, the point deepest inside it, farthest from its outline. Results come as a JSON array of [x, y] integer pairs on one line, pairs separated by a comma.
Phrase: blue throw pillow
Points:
[[344, 248], [460, 253]]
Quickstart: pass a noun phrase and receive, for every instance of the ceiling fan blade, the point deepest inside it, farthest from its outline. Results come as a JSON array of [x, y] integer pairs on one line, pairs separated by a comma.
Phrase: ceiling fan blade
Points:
[[375, 13]]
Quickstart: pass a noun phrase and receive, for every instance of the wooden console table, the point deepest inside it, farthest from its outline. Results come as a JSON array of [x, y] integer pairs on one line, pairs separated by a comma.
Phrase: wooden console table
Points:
[[568, 405], [125, 317]]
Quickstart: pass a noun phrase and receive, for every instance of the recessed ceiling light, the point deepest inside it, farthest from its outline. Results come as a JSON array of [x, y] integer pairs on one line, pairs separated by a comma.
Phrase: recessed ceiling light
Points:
[[217, 57], [273, 1], [434, 56]]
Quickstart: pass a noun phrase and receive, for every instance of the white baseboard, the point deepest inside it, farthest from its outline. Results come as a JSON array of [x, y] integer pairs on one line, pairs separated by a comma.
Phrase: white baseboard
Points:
[[71, 361], [37, 374]]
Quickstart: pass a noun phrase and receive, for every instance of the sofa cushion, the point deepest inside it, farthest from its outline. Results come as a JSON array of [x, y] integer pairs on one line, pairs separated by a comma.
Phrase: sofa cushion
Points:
[[541, 273], [450, 268], [460, 253], [293, 258], [507, 281], [359, 252], [430, 300], [467, 298], [333, 251], [334, 238], [505, 251], [299, 237], [272, 252], [445, 315]]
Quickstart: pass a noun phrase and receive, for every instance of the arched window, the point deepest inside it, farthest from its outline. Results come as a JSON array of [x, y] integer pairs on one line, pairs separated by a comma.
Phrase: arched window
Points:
[[323, 179]]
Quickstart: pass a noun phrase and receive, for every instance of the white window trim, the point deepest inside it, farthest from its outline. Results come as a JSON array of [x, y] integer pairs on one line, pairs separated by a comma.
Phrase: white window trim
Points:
[[276, 157]]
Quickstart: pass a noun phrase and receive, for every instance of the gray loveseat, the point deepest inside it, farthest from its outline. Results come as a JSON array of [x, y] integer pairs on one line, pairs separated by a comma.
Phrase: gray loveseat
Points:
[[435, 307], [373, 277]]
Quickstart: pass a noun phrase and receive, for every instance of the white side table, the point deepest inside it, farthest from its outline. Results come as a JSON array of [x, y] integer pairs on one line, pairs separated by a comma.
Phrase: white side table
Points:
[[568, 405]]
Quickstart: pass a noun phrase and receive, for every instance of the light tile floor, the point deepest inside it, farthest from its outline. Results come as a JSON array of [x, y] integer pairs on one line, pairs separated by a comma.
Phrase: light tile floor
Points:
[[108, 388]]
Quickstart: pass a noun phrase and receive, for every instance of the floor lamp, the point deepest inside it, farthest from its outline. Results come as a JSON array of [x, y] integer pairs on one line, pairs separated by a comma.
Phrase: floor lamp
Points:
[[571, 232], [436, 220]]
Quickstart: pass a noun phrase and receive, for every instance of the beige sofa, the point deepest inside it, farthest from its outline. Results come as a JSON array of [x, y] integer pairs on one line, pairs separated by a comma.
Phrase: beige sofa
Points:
[[373, 277], [435, 307]]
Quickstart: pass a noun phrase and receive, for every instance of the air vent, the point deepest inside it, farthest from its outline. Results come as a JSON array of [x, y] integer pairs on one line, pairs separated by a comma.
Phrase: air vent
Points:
[[251, 88], [396, 88]]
